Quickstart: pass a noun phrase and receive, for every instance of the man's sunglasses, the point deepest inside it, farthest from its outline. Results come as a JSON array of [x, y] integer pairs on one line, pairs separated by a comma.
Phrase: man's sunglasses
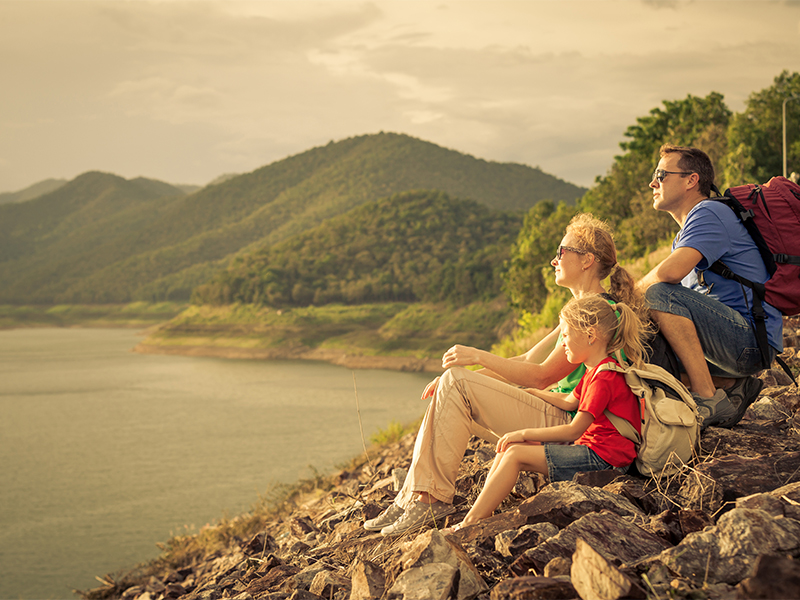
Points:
[[661, 174], [560, 251]]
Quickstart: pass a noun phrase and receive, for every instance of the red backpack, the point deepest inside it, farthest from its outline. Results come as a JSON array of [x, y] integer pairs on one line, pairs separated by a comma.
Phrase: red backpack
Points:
[[771, 215]]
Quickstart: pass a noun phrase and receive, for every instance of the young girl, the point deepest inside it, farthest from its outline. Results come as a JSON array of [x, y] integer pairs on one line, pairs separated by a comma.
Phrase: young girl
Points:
[[593, 330]]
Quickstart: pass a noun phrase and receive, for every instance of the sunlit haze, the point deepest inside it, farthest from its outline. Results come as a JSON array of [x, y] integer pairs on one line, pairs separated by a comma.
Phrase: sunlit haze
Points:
[[186, 91]]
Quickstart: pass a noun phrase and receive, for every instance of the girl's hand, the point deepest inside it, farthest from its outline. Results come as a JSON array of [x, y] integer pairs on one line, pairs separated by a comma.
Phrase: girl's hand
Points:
[[430, 389], [514, 437], [460, 356]]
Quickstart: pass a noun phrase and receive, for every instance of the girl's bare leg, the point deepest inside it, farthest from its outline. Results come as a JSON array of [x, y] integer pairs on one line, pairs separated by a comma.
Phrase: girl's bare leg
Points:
[[502, 477]]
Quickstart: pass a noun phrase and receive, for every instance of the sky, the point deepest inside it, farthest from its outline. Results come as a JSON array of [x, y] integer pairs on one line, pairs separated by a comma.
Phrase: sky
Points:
[[184, 91]]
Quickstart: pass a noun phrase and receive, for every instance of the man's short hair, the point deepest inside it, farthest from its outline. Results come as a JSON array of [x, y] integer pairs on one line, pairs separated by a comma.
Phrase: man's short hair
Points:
[[696, 161]]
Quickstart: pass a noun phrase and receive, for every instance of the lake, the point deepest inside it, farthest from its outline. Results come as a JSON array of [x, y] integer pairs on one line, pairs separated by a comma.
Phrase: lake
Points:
[[105, 452]]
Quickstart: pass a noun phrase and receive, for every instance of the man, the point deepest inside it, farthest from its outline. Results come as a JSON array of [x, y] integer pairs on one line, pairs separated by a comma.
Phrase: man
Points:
[[705, 317]]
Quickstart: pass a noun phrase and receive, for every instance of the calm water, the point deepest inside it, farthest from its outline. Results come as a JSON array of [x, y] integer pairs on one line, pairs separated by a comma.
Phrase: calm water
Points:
[[104, 452]]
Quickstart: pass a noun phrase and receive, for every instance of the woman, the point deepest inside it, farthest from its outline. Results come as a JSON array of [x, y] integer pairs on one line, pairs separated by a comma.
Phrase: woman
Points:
[[508, 393]]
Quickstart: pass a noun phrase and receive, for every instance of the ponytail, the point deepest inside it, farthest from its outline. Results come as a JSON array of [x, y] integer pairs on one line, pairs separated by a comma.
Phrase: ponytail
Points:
[[622, 286], [617, 324], [596, 237]]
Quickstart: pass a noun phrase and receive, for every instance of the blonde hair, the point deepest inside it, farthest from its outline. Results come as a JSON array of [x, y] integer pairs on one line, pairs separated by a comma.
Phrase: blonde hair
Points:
[[615, 324], [595, 236]]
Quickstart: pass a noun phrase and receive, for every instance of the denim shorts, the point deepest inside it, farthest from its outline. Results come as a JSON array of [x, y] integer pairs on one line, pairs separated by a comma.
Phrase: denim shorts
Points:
[[729, 343], [563, 461]]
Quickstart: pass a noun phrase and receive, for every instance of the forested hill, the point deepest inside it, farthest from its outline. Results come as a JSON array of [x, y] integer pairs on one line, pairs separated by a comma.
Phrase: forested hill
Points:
[[416, 246], [100, 238], [33, 191]]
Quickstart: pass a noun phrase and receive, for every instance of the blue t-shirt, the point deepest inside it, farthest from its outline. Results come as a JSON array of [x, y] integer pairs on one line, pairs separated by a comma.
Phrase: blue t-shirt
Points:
[[713, 229]]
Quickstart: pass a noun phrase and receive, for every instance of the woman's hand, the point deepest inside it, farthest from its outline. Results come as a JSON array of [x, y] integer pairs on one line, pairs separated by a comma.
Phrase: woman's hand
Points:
[[461, 356], [513, 437], [430, 389]]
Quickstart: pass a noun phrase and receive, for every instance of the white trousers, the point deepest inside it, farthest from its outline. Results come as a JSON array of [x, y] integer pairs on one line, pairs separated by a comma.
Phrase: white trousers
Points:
[[467, 403]]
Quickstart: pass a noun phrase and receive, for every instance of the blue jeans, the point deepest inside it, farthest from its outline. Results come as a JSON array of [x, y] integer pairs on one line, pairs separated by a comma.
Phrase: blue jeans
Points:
[[563, 461], [728, 340]]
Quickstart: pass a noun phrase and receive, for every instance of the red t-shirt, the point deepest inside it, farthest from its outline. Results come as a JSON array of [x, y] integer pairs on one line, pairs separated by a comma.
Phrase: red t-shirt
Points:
[[608, 390]]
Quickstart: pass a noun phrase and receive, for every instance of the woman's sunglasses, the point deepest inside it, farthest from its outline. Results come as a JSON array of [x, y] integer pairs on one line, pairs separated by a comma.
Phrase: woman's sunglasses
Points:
[[560, 251]]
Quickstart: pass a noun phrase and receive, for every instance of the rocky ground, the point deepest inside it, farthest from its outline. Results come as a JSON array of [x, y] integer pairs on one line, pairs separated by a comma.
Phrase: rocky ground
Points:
[[726, 526]]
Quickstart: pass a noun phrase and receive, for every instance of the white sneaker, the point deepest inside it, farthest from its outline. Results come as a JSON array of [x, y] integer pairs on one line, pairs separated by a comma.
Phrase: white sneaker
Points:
[[387, 517], [417, 515]]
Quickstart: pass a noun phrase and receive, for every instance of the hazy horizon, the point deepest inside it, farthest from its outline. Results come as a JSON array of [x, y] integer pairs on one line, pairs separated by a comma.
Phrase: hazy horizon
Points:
[[184, 92]]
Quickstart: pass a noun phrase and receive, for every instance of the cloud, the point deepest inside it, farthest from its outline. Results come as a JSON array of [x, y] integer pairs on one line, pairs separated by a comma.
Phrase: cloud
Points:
[[201, 88]]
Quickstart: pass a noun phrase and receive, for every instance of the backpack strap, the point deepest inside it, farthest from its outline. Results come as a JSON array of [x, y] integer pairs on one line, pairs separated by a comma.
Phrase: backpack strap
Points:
[[621, 424], [624, 427], [758, 312]]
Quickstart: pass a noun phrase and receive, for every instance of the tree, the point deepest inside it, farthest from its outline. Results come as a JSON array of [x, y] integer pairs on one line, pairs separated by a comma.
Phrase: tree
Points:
[[623, 197], [755, 135], [524, 283]]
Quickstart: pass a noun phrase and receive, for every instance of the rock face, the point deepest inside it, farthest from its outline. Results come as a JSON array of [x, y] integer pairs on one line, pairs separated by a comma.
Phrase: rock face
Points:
[[726, 526]]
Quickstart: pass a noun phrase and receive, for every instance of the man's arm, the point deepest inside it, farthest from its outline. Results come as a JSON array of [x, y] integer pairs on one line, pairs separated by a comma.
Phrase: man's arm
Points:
[[673, 268]]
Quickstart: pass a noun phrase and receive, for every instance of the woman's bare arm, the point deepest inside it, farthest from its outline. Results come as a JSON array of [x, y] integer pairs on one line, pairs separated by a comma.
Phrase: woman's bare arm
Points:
[[521, 370]]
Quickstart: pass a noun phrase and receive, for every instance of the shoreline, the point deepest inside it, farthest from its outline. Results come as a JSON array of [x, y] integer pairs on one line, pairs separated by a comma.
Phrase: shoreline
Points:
[[339, 358]]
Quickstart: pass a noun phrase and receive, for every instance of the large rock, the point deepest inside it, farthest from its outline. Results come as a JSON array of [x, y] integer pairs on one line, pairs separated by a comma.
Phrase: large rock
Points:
[[533, 588], [433, 581], [773, 577], [488, 529], [781, 502], [432, 547], [513, 542], [327, 583], [563, 502], [727, 552], [748, 439], [595, 578], [725, 479], [368, 581], [615, 538]]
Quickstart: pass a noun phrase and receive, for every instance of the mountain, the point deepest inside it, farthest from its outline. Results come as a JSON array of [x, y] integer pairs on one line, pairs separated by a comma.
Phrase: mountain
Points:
[[32, 191], [418, 246], [101, 238]]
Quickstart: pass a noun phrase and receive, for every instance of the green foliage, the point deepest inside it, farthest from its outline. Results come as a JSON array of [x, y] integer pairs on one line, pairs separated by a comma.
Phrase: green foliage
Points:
[[756, 135], [386, 329], [134, 314], [623, 197], [392, 434], [528, 269], [101, 238], [412, 247]]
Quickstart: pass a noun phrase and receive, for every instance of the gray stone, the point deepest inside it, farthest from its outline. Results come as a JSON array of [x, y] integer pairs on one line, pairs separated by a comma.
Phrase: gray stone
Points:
[[328, 583], [563, 502], [609, 534], [783, 501], [773, 577], [767, 409], [515, 541], [304, 578], [721, 480], [432, 547], [595, 578], [533, 588], [558, 567], [367, 581], [727, 552], [433, 581]]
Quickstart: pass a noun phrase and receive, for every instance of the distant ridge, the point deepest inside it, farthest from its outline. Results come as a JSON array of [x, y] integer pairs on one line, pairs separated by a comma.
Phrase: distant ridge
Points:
[[101, 238], [32, 191]]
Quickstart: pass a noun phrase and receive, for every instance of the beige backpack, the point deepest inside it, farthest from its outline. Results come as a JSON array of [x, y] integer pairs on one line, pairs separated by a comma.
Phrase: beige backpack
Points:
[[670, 421]]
